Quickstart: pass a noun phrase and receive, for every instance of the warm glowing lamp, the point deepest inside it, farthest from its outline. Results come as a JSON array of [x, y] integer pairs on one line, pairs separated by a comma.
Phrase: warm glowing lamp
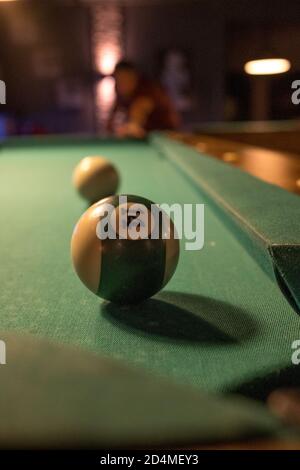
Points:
[[270, 66]]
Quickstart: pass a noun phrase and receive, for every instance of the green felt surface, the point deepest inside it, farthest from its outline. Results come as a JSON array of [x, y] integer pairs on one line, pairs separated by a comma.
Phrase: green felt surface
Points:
[[220, 323]]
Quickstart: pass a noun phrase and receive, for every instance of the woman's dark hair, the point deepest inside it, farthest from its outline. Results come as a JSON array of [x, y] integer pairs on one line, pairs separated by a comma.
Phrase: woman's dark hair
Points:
[[125, 65]]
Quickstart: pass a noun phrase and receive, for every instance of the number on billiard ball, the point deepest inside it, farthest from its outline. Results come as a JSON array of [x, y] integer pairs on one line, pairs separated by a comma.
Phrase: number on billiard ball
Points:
[[132, 266]]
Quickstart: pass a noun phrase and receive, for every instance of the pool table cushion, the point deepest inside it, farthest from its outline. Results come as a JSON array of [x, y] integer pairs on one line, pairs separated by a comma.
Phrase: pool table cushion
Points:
[[53, 396]]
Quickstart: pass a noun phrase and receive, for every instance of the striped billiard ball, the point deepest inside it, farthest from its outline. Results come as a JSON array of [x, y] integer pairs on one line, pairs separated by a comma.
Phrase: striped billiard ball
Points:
[[125, 252], [95, 178]]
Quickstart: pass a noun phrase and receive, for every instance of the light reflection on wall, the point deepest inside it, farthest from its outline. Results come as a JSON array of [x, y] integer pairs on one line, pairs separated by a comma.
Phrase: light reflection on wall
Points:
[[107, 57], [107, 21], [105, 96]]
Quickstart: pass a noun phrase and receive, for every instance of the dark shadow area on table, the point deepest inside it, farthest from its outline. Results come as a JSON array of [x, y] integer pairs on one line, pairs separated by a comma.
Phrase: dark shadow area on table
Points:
[[184, 317], [260, 388]]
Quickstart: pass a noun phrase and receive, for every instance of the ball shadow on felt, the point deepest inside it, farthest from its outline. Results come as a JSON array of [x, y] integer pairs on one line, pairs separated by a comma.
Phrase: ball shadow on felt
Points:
[[184, 317]]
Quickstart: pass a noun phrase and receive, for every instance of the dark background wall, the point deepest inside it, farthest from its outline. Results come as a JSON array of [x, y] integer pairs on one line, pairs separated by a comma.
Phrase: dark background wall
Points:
[[46, 63], [153, 28], [46, 57], [194, 27], [220, 36]]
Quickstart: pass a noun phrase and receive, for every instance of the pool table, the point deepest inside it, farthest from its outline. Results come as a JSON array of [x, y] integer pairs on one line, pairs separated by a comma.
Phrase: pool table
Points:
[[278, 135], [222, 329]]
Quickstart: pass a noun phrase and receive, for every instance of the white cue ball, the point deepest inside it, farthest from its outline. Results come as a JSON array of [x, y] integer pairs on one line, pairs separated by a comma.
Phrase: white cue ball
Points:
[[95, 178]]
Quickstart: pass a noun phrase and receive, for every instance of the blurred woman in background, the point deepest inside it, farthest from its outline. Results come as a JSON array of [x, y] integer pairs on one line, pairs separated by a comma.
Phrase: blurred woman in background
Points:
[[141, 105]]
